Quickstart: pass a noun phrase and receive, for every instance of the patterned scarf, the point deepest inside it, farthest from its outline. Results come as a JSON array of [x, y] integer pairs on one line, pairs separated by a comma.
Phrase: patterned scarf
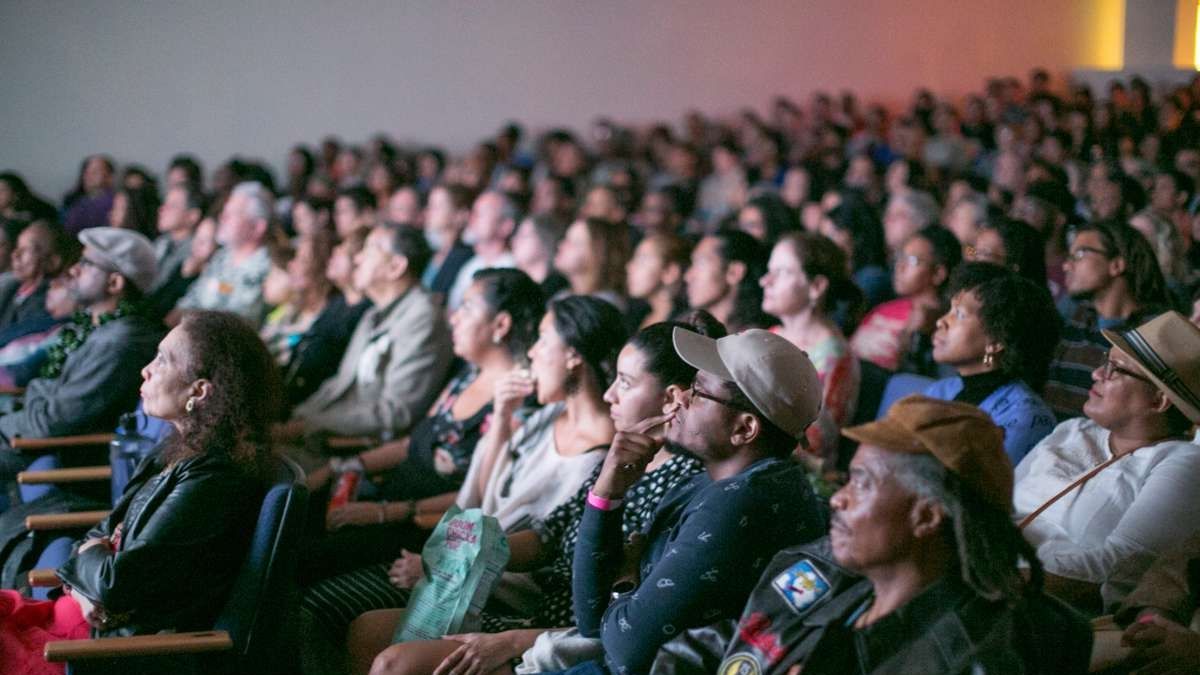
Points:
[[74, 333]]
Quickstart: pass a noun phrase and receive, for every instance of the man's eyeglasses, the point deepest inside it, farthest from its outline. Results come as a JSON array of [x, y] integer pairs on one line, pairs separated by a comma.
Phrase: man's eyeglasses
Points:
[[911, 261], [729, 403], [1079, 253], [1110, 369]]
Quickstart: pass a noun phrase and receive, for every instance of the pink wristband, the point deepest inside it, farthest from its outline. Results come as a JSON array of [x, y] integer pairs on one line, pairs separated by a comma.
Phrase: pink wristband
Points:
[[596, 501]]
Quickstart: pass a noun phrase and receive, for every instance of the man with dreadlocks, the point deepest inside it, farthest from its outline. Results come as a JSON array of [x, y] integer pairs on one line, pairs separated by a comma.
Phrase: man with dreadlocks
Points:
[[920, 573]]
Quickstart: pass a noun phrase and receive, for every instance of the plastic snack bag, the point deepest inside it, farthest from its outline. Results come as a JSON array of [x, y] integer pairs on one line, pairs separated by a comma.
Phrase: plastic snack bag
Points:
[[463, 561]]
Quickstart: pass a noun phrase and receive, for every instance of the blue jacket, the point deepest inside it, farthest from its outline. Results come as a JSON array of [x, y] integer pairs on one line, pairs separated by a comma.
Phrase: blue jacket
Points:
[[1014, 407]]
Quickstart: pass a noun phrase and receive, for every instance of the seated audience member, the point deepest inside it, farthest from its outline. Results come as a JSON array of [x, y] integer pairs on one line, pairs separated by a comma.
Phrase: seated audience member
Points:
[[19, 205], [519, 475], [854, 226], [806, 279], [533, 247], [1103, 495], [310, 217], [340, 272], [491, 332], [723, 279], [998, 335], [322, 322], [1157, 614], [1012, 245], [767, 218], [353, 210], [1112, 273], [493, 219], [232, 280], [1166, 243], [446, 214], [178, 217], [22, 358], [167, 556], [39, 256], [920, 572], [592, 256], [655, 273], [650, 378], [966, 217], [90, 379], [752, 397], [201, 250], [1047, 206], [908, 212], [891, 332], [136, 208], [397, 358], [404, 206], [88, 204]]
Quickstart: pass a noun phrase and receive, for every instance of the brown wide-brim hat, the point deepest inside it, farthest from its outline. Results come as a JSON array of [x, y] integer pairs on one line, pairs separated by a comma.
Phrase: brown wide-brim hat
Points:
[[960, 436], [1167, 349]]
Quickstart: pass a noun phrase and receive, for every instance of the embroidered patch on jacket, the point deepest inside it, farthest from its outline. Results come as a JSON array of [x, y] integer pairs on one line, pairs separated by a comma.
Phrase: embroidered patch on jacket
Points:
[[740, 664], [801, 585]]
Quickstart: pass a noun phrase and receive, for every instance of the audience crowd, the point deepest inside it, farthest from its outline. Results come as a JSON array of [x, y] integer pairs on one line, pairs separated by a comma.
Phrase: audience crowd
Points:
[[832, 389]]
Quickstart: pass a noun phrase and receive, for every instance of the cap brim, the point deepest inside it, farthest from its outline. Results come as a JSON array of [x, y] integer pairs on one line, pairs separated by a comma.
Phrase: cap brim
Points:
[[886, 434], [700, 352], [1119, 341]]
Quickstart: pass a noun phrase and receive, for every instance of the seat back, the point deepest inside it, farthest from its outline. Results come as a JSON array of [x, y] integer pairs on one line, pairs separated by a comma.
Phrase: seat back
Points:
[[259, 609], [150, 427]]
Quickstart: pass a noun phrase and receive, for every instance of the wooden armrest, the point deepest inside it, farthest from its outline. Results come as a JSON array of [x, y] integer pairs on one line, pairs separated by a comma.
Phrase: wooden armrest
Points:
[[139, 645], [349, 442], [54, 443], [81, 474], [64, 521], [43, 578], [427, 521]]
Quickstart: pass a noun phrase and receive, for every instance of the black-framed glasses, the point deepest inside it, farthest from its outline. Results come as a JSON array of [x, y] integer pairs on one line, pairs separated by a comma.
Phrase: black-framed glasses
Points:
[[1080, 252], [1109, 369], [728, 403]]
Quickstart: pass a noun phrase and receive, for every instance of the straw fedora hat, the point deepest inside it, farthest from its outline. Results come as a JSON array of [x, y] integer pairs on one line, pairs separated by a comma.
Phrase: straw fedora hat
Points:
[[1167, 350]]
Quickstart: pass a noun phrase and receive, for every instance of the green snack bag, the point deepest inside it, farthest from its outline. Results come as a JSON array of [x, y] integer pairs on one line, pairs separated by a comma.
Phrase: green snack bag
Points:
[[463, 561]]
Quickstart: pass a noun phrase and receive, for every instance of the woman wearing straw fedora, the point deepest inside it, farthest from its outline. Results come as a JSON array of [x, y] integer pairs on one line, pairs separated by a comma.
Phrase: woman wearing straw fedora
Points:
[[1103, 495]]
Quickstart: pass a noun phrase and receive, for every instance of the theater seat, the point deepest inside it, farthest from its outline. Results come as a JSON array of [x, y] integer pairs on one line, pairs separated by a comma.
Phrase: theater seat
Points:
[[252, 633]]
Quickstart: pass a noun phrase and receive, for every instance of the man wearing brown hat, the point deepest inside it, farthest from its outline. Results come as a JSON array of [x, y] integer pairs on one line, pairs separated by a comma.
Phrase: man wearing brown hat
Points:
[[919, 573], [92, 374], [750, 402]]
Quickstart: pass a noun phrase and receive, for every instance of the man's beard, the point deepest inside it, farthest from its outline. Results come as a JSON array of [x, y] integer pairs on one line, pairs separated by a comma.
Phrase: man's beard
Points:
[[1085, 295], [677, 449]]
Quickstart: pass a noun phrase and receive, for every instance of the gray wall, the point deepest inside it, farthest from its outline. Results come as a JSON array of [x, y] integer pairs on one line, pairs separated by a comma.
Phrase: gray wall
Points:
[[143, 80]]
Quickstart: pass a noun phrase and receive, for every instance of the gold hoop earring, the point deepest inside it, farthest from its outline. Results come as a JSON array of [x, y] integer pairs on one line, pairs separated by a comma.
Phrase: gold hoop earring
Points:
[[190, 405]]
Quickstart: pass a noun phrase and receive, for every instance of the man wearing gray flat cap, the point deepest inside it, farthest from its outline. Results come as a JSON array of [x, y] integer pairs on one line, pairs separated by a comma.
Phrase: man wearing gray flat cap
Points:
[[93, 371]]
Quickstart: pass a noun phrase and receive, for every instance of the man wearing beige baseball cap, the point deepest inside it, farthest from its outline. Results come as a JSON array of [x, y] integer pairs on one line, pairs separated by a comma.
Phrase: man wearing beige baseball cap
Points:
[[920, 571], [93, 373], [750, 402]]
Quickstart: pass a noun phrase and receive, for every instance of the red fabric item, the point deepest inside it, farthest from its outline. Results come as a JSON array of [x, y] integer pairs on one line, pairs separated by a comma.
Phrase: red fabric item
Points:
[[27, 625]]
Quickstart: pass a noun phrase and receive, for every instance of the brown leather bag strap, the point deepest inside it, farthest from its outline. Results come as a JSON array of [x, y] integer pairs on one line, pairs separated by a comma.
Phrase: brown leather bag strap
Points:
[[1070, 488]]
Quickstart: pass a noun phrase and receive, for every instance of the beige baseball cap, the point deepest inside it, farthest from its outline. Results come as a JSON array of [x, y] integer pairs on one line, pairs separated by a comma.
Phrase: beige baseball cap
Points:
[[773, 373]]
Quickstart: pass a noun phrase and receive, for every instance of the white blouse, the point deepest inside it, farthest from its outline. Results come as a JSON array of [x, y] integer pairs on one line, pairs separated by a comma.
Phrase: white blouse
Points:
[[1109, 530]]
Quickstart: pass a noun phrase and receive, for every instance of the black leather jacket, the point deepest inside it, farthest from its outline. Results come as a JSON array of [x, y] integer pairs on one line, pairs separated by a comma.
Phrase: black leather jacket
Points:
[[186, 532], [803, 608]]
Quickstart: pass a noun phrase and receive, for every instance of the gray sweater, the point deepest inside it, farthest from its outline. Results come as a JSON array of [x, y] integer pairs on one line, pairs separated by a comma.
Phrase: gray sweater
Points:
[[99, 381]]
